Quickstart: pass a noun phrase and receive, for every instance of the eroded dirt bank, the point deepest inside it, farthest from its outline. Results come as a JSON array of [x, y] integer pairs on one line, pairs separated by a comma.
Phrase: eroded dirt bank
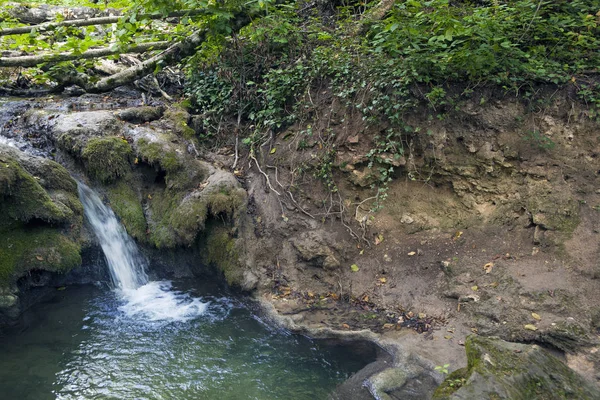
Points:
[[490, 226]]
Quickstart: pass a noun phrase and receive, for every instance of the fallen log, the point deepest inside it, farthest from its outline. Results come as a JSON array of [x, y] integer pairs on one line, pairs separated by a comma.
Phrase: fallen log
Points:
[[170, 56], [28, 14], [47, 26], [32, 61]]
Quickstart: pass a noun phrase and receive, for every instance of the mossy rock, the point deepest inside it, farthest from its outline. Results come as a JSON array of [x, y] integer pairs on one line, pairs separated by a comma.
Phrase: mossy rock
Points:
[[23, 198], [40, 216], [107, 158], [23, 248], [220, 250], [176, 119], [126, 204], [138, 115], [159, 154], [177, 219], [502, 370]]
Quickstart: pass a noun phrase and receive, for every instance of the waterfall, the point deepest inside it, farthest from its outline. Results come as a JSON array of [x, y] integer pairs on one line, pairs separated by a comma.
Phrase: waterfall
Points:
[[153, 301], [125, 263]]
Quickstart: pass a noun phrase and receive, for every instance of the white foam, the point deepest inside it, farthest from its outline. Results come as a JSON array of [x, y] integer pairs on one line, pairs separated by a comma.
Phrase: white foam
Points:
[[157, 301], [8, 142]]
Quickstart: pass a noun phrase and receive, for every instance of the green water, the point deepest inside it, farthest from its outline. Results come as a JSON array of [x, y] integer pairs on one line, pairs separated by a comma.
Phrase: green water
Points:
[[81, 344]]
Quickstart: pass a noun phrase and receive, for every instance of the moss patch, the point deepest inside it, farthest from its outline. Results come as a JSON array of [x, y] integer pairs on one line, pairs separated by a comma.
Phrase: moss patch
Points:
[[504, 370], [107, 158], [177, 219], [220, 251], [126, 204], [23, 198], [176, 119], [23, 248]]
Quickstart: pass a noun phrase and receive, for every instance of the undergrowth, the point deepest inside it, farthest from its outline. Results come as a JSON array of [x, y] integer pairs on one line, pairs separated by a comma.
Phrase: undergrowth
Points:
[[264, 79]]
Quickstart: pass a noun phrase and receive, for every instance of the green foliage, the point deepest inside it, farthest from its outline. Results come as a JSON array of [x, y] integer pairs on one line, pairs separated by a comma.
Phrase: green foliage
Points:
[[266, 76]]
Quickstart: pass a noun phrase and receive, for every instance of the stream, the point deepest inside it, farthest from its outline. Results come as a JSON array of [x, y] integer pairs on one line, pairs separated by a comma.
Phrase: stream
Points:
[[142, 339]]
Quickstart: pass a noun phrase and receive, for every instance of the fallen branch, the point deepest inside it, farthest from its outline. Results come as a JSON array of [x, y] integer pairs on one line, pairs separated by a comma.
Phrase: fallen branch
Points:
[[48, 26], [32, 61], [171, 55]]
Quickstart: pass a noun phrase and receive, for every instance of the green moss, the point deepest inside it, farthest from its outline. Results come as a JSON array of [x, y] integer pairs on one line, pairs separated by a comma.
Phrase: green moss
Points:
[[23, 198], [126, 204], [451, 384], [177, 220], [499, 369], [220, 251], [107, 158], [155, 153], [188, 219], [23, 248], [226, 201], [178, 119]]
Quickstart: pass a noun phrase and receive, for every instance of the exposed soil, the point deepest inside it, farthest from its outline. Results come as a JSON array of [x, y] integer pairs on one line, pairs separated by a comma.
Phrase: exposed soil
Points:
[[498, 235]]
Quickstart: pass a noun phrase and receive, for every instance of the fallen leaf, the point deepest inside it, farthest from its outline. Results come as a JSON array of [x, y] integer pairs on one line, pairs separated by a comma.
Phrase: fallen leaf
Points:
[[365, 298], [345, 326], [362, 252], [310, 294], [62, 288], [382, 280], [422, 315], [388, 326], [136, 161], [412, 253], [474, 288], [39, 258], [530, 327], [378, 239], [447, 337], [536, 316], [474, 330], [273, 150], [149, 197], [354, 268], [457, 235], [488, 267]]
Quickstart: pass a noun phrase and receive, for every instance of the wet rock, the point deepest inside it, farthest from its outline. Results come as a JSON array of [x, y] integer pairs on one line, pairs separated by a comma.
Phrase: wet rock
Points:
[[504, 370]]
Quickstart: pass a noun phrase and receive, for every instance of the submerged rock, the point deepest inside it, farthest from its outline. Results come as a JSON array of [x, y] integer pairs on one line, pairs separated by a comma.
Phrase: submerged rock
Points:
[[503, 370]]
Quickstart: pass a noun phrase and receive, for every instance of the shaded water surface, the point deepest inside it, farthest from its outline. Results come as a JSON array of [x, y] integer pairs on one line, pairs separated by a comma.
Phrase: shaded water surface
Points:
[[91, 343]]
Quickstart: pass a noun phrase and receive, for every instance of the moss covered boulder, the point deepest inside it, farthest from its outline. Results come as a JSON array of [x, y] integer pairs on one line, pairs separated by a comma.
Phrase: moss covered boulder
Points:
[[502, 370], [40, 217], [107, 158]]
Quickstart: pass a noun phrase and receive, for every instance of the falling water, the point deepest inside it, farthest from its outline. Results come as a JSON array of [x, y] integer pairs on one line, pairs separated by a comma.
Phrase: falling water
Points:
[[125, 263], [154, 301]]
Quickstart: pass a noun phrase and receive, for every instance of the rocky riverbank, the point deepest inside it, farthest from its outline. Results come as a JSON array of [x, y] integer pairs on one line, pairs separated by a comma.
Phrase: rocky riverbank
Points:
[[498, 238]]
